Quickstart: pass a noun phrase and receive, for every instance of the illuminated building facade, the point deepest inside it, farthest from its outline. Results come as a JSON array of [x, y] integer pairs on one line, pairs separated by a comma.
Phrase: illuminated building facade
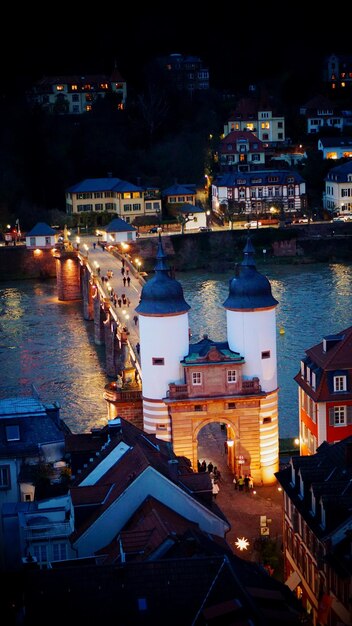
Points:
[[187, 386]]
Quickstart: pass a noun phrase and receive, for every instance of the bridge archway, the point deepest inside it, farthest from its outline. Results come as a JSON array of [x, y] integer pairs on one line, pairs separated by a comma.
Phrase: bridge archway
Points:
[[219, 438]]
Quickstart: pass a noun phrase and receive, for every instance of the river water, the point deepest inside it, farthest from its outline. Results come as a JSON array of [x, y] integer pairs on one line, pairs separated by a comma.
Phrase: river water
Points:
[[47, 343]]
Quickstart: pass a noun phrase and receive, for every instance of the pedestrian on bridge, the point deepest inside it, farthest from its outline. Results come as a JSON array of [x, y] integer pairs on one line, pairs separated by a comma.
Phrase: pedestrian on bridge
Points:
[[124, 281]]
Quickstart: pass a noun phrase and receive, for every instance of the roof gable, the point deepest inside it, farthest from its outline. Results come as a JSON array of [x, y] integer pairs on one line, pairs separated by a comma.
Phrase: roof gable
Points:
[[118, 225], [41, 229]]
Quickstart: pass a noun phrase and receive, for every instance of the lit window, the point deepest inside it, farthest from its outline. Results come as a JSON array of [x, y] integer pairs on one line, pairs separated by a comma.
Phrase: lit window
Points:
[[339, 383], [59, 87], [231, 376], [196, 378]]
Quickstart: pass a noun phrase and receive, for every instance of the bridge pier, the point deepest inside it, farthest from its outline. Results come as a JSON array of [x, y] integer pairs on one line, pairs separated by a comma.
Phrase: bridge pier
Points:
[[113, 348], [99, 318], [68, 274], [88, 288]]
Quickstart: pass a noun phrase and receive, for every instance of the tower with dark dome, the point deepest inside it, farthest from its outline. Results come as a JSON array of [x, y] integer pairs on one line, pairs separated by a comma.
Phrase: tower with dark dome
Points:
[[251, 331], [164, 341]]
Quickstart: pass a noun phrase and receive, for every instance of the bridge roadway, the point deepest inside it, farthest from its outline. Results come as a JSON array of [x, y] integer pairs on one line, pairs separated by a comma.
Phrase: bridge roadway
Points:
[[111, 261]]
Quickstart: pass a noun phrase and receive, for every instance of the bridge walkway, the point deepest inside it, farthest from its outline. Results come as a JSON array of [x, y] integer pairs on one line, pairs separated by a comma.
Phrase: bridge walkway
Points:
[[107, 267]]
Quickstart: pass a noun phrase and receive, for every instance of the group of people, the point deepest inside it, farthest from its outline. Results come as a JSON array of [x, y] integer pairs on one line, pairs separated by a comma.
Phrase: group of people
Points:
[[243, 483], [214, 474]]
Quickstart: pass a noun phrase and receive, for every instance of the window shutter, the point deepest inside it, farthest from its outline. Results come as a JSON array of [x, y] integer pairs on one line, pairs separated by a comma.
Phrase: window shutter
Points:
[[349, 414], [331, 416]]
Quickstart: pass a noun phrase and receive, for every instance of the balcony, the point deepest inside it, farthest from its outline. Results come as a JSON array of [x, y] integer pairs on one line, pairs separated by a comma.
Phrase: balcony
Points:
[[112, 393], [47, 530], [180, 392]]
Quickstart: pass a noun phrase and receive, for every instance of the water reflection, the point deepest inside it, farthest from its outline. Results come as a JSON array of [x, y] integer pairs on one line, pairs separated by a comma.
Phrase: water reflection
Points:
[[48, 343]]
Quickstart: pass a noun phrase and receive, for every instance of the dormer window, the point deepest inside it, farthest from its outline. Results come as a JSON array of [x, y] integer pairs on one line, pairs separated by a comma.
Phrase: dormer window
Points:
[[313, 502], [322, 515], [302, 369], [13, 432], [301, 488], [314, 380], [293, 475], [340, 383]]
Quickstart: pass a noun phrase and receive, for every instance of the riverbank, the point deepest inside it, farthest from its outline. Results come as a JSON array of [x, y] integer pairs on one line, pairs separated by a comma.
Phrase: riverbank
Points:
[[216, 251]]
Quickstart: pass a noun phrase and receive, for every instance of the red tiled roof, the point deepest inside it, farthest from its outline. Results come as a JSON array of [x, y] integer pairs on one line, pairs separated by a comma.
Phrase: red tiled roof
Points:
[[89, 495], [235, 136], [338, 356], [146, 530]]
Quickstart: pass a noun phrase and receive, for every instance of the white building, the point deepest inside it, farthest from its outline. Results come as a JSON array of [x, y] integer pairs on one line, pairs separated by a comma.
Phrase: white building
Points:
[[257, 191], [337, 198], [112, 195], [335, 147], [118, 231], [42, 236], [74, 95]]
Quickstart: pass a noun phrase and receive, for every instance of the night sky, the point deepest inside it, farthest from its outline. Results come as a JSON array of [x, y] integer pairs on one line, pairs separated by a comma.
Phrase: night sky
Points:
[[236, 40]]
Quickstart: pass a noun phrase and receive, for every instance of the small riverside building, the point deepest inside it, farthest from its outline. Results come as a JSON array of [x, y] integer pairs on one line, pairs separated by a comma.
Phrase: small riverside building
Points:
[[42, 236], [118, 231]]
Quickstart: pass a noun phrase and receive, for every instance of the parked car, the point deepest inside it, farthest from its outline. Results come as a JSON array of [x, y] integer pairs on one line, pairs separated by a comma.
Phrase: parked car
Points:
[[153, 230], [253, 224], [205, 229]]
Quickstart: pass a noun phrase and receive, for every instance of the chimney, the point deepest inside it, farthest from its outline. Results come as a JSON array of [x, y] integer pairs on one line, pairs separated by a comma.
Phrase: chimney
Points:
[[173, 469], [348, 454]]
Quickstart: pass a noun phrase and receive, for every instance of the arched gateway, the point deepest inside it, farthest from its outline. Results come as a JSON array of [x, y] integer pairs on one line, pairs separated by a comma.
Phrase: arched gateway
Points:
[[234, 382]]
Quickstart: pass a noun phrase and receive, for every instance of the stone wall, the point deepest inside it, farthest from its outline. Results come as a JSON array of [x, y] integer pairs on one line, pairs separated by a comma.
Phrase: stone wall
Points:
[[18, 263]]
